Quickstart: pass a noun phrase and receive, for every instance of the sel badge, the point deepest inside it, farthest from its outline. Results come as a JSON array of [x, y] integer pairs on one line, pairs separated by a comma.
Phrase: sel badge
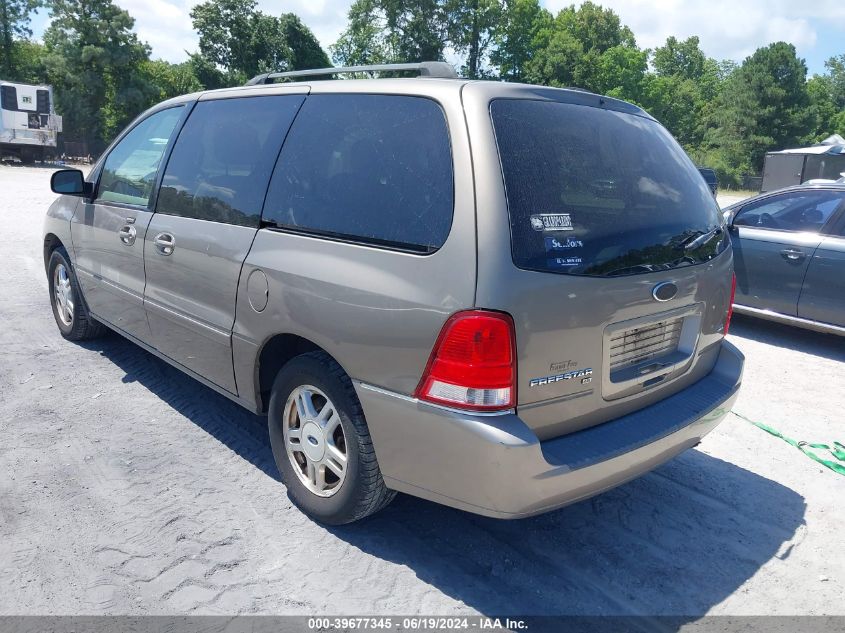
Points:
[[551, 222]]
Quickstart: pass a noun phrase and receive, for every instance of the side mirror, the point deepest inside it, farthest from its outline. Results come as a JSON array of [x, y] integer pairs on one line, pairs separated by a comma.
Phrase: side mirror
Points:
[[70, 182]]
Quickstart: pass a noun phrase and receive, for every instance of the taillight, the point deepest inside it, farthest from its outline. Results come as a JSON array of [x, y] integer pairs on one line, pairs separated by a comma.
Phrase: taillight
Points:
[[473, 364], [730, 304]]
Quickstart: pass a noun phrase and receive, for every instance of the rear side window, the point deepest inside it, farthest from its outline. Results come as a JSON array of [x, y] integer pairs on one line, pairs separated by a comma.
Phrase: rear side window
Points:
[[222, 160], [799, 211], [369, 168], [597, 192], [709, 176]]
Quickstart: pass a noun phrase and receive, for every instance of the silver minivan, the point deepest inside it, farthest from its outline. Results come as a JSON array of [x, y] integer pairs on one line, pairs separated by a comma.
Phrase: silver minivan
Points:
[[499, 297]]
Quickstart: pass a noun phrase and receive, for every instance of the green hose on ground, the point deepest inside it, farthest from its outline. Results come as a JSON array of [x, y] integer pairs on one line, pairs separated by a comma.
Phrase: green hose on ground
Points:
[[838, 449]]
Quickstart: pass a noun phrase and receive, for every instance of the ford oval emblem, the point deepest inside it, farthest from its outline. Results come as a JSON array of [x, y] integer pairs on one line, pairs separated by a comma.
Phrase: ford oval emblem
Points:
[[665, 291]]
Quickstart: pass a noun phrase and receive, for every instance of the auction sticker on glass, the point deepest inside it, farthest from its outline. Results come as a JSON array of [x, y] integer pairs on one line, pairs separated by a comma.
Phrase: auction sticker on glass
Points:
[[551, 222]]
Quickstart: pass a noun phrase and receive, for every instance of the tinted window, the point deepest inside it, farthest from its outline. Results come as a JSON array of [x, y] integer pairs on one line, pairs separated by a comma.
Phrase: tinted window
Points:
[[597, 192], [9, 98], [838, 227], [43, 105], [798, 211], [709, 176], [372, 168], [223, 157], [131, 168]]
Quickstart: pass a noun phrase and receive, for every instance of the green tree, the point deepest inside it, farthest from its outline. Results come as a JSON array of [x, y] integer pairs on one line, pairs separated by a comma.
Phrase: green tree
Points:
[[236, 37], [364, 41], [169, 80], [393, 31], [681, 88], [763, 105], [94, 61], [836, 73], [556, 54], [14, 25], [209, 74], [588, 47], [28, 59], [822, 106], [827, 99], [237, 42], [677, 103], [306, 51], [514, 39], [471, 29], [679, 59], [837, 124], [597, 28], [620, 72]]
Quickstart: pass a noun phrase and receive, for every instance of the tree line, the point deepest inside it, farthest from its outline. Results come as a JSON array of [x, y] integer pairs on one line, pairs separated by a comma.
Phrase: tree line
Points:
[[726, 115], [103, 75]]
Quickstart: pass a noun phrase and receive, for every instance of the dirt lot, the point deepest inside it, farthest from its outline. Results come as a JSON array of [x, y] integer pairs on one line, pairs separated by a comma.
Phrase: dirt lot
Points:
[[727, 198], [126, 487]]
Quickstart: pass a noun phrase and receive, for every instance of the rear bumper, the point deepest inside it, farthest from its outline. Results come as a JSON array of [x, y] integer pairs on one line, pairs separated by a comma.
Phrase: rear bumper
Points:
[[495, 465]]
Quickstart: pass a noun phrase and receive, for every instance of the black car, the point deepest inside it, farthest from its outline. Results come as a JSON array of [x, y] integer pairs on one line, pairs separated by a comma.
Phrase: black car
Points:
[[710, 178]]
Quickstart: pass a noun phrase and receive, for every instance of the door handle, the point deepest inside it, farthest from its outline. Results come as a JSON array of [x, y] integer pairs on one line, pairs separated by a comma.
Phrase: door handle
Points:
[[792, 254], [127, 234], [165, 243]]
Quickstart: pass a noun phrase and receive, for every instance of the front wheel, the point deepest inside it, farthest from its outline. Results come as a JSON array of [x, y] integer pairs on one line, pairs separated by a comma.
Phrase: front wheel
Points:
[[321, 442], [72, 317]]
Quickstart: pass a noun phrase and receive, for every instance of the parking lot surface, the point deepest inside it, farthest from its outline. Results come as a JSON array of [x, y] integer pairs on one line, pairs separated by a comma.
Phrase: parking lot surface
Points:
[[128, 488]]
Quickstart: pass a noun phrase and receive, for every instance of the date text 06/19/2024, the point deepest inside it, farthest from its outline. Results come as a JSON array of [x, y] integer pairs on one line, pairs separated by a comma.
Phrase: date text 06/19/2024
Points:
[[416, 623]]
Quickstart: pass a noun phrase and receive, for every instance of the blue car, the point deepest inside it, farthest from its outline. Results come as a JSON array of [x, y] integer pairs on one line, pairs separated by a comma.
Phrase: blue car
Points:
[[789, 256]]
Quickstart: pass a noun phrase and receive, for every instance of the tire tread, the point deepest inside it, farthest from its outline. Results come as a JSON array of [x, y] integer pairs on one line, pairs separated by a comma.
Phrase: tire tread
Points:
[[376, 494], [84, 326], [369, 494]]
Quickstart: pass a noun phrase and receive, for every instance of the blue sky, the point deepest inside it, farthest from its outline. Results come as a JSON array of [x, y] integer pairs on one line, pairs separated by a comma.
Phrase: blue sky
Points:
[[728, 29], [831, 42]]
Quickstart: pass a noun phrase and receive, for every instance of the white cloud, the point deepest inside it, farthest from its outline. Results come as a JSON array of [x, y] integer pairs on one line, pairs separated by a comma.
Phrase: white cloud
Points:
[[165, 25], [728, 29]]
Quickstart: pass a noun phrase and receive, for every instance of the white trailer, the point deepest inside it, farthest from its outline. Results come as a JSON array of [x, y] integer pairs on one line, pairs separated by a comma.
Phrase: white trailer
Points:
[[29, 126]]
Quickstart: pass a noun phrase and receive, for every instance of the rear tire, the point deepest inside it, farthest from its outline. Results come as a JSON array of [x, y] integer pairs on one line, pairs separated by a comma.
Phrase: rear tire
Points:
[[69, 309], [321, 442]]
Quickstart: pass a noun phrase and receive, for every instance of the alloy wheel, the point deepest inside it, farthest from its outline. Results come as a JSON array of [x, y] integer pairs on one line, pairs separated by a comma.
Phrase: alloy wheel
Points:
[[63, 293], [314, 440]]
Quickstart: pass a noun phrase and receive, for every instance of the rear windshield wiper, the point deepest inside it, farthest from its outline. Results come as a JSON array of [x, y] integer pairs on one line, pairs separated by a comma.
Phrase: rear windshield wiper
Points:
[[691, 243], [633, 270]]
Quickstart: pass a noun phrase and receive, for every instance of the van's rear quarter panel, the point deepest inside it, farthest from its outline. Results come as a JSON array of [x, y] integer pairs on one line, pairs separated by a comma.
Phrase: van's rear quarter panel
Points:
[[377, 312]]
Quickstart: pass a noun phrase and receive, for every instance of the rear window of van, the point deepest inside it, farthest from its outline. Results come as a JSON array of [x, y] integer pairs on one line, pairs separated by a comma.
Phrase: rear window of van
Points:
[[597, 192]]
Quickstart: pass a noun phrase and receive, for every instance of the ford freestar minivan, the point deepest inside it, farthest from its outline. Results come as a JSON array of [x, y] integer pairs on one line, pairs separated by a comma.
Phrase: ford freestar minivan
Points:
[[500, 297]]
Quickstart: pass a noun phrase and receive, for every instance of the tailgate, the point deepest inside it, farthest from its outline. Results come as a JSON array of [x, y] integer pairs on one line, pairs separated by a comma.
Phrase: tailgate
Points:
[[599, 236]]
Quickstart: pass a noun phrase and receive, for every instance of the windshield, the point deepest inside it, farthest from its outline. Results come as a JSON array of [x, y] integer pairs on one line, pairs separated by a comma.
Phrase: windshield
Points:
[[597, 192]]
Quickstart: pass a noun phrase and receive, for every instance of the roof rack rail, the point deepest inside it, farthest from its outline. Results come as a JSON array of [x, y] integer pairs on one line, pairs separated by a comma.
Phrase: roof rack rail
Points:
[[425, 69]]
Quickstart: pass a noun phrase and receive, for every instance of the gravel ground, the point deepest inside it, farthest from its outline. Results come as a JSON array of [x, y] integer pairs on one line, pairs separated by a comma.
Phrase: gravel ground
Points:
[[727, 198], [128, 488]]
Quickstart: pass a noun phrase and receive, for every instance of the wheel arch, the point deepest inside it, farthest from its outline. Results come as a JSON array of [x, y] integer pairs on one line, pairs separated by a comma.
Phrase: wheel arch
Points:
[[52, 242], [274, 354]]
